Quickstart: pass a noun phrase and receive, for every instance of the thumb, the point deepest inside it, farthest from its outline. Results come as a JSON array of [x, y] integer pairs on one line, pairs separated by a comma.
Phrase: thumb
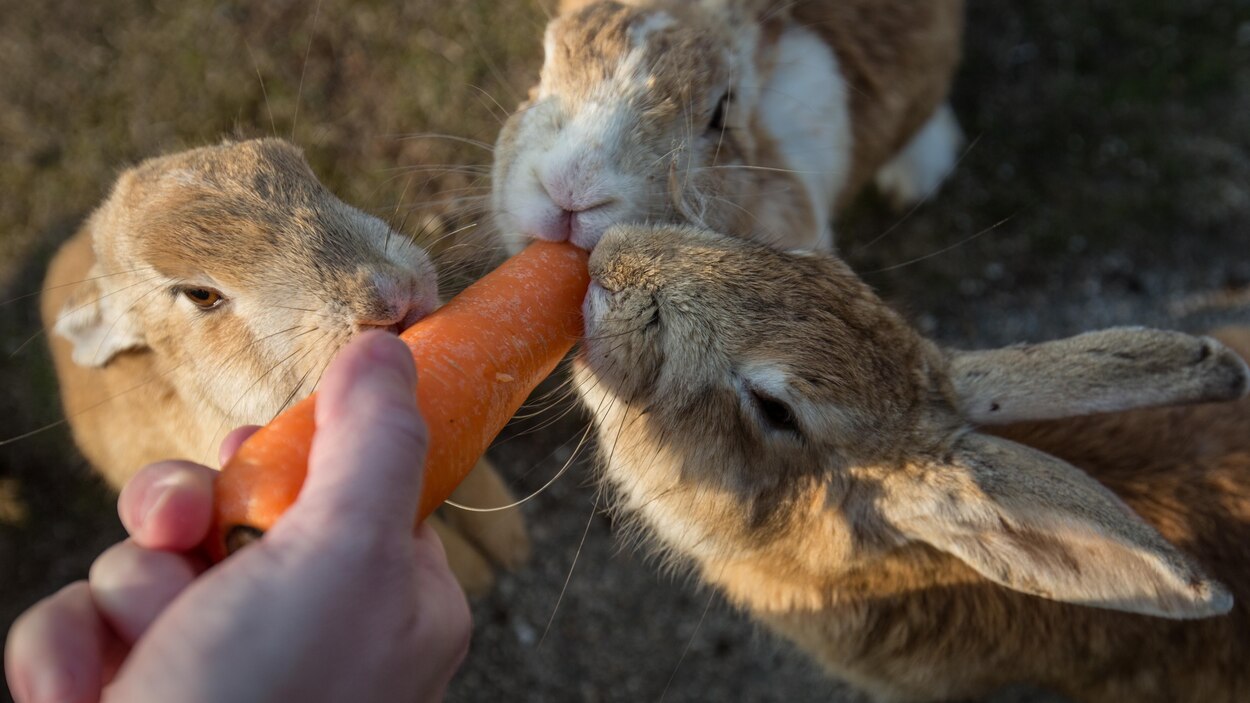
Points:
[[366, 467]]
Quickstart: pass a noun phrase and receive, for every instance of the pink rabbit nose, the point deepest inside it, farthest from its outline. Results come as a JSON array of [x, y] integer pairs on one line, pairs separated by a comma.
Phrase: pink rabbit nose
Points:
[[398, 305]]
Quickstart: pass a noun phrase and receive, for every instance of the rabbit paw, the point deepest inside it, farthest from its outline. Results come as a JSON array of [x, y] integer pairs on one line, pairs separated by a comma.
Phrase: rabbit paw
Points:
[[476, 543], [918, 170]]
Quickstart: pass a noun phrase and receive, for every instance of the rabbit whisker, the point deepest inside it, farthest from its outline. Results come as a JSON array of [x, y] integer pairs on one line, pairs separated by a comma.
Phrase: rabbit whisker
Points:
[[531, 496], [572, 566], [299, 94], [686, 650], [41, 291], [939, 252], [449, 137], [911, 211]]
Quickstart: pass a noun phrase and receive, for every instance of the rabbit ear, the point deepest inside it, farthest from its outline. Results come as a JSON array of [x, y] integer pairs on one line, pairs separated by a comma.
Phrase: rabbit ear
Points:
[[1035, 524], [97, 321], [1115, 369]]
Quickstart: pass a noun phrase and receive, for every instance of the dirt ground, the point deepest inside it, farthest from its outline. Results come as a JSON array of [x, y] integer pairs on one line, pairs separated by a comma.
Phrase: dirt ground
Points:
[[1107, 182]]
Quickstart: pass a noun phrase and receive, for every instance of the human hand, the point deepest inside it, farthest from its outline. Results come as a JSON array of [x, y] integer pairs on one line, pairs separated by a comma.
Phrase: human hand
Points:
[[338, 601]]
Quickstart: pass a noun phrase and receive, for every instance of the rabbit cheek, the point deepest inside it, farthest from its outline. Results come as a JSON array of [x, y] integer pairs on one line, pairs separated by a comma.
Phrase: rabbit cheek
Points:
[[622, 353]]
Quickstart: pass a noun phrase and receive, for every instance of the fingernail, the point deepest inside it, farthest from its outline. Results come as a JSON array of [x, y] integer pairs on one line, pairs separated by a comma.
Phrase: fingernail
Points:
[[157, 494], [393, 354]]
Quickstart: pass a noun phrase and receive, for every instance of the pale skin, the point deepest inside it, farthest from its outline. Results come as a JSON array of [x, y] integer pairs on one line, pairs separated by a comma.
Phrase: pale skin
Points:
[[339, 601]]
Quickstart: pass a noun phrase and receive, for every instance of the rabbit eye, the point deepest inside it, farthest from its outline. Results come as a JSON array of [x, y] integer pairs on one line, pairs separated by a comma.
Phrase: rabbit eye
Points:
[[718, 116], [204, 298], [655, 317], [654, 320], [776, 413]]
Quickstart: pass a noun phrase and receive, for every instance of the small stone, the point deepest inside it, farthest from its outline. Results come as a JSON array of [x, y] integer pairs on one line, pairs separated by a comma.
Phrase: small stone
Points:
[[525, 634]]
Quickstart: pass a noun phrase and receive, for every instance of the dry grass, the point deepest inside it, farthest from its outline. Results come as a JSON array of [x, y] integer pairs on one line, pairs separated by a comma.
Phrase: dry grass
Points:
[[91, 88]]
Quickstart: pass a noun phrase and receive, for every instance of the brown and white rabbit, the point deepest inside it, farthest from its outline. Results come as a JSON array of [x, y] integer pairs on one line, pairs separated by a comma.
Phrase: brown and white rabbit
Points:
[[756, 118], [768, 422], [210, 290]]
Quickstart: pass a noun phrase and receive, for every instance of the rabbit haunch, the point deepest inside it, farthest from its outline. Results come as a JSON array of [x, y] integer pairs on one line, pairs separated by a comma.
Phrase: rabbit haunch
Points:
[[209, 291], [771, 424], [754, 118]]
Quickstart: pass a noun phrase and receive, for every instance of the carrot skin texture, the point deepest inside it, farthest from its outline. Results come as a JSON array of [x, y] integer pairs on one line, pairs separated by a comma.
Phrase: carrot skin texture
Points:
[[478, 358]]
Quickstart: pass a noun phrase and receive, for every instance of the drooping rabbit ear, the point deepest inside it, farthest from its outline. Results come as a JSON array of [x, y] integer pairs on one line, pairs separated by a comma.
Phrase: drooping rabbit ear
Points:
[[1105, 371], [98, 321], [1035, 524]]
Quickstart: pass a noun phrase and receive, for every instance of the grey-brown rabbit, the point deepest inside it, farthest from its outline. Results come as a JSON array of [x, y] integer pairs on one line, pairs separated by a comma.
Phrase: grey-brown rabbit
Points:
[[758, 118], [768, 422]]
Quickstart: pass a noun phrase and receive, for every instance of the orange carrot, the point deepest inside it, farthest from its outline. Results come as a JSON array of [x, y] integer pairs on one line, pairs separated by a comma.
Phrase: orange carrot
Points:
[[478, 357]]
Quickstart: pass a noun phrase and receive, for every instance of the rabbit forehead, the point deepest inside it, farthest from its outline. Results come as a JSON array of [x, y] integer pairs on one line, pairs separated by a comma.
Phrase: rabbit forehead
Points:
[[806, 315], [271, 168], [242, 238], [241, 213], [660, 53]]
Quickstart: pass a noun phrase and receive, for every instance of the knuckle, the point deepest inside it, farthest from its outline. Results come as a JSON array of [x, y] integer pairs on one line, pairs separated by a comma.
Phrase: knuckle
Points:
[[453, 626]]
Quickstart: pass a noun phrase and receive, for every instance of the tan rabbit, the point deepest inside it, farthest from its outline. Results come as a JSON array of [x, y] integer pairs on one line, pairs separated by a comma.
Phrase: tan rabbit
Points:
[[768, 422], [210, 290], [752, 117]]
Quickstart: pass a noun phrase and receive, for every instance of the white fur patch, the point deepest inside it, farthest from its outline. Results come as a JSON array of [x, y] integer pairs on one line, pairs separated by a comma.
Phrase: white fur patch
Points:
[[549, 50], [655, 22], [769, 379], [916, 172], [805, 109]]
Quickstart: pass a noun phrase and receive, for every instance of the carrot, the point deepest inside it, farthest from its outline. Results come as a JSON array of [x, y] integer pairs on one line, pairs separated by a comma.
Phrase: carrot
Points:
[[478, 358]]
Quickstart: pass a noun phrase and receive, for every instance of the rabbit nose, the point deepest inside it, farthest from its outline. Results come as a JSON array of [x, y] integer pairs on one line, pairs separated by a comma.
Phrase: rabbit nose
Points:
[[572, 195], [395, 319], [572, 201], [396, 306]]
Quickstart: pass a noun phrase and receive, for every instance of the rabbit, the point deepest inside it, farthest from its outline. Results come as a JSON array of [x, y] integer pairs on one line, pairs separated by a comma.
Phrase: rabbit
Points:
[[210, 290], [758, 118], [775, 429]]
